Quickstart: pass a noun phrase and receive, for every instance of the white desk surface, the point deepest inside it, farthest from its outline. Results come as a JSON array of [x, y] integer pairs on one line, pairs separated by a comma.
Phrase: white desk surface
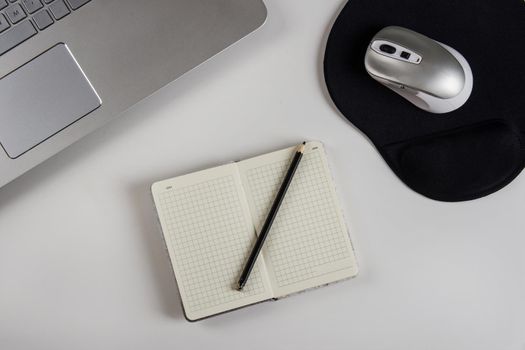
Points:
[[82, 263]]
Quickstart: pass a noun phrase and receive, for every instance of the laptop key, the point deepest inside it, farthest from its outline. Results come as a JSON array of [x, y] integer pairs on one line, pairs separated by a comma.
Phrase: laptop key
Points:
[[42, 19], [32, 5], [15, 13], [16, 35], [59, 9], [3, 23], [75, 4]]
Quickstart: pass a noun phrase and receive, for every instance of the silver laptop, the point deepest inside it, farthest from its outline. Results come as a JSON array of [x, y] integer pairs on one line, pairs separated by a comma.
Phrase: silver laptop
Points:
[[67, 67]]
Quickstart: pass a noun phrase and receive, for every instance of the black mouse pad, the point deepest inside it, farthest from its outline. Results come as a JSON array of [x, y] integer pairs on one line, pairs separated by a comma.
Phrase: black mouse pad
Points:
[[462, 155]]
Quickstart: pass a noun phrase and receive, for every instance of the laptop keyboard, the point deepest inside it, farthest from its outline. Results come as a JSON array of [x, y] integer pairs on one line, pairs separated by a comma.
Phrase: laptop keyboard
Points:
[[21, 19]]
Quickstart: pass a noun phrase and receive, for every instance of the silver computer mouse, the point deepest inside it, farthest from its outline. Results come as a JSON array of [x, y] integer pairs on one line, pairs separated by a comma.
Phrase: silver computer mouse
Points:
[[431, 75]]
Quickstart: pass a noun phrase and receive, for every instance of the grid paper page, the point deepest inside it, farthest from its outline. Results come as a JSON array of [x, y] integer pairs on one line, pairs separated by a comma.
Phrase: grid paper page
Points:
[[209, 237], [308, 238]]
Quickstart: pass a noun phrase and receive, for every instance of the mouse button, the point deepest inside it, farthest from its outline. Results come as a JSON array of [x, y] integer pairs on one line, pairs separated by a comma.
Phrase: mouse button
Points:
[[388, 68], [438, 72], [403, 37], [395, 51], [440, 75], [386, 48]]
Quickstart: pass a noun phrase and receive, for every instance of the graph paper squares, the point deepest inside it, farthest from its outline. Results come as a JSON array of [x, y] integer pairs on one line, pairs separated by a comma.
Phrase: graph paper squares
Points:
[[306, 233], [209, 220], [207, 230]]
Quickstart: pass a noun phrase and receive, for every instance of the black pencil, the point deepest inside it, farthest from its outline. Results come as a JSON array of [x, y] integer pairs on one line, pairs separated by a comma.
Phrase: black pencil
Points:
[[271, 217]]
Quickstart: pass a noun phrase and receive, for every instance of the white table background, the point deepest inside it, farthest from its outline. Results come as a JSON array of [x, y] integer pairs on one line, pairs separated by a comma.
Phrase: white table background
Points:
[[82, 263]]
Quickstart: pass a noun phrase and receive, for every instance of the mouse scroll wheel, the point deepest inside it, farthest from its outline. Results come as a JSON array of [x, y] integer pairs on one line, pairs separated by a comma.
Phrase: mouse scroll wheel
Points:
[[387, 49]]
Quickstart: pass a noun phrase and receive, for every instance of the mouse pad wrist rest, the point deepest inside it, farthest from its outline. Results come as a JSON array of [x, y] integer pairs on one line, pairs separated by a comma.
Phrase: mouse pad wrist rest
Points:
[[462, 155]]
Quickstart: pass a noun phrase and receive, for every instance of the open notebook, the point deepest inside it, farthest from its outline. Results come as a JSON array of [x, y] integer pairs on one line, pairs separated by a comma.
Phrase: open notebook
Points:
[[210, 219]]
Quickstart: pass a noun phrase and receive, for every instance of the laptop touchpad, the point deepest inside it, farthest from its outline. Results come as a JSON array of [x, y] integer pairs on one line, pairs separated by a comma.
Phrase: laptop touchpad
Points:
[[41, 98]]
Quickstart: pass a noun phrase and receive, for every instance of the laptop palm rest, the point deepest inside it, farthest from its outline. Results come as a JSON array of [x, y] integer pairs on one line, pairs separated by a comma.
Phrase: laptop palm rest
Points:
[[41, 98]]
